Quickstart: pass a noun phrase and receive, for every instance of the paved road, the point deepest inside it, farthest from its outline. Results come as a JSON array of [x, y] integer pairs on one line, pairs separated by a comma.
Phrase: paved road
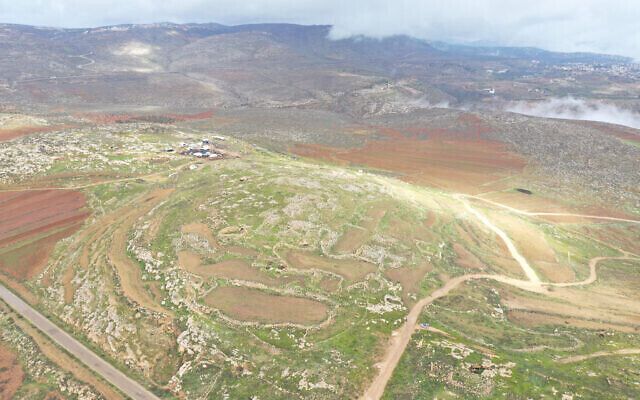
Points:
[[126, 385]]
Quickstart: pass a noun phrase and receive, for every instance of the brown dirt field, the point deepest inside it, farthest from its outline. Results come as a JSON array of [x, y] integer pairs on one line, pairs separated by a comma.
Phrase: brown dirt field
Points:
[[466, 259], [11, 373], [455, 164], [201, 230], [26, 213], [409, 278], [31, 223], [63, 360], [351, 240], [8, 134], [530, 319], [555, 272], [599, 304], [228, 269], [351, 270], [257, 306], [330, 284], [188, 260], [128, 271]]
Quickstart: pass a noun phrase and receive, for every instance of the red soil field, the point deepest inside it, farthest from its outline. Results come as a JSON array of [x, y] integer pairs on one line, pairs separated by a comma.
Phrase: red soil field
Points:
[[159, 118], [459, 158], [11, 374], [454, 164], [8, 134], [31, 222]]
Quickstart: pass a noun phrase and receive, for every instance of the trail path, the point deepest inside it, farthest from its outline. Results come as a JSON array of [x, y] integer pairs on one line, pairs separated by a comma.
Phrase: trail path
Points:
[[93, 184], [550, 214], [401, 337], [582, 357], [528, 271], [89, 61]]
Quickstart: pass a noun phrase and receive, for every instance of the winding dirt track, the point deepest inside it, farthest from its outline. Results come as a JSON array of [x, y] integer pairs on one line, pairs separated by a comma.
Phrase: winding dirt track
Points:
[[526, 268], [401, 337]]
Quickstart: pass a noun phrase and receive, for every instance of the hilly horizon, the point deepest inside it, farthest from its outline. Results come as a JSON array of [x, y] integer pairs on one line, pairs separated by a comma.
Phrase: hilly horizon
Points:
[[274, 211]]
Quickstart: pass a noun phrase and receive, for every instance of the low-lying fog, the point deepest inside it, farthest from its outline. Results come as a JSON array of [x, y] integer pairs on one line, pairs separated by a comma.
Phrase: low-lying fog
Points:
[[572, 108]]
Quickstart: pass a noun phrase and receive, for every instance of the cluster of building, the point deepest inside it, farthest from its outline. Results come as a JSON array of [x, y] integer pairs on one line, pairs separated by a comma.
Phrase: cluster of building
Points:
[[204, 149], [628, 70]]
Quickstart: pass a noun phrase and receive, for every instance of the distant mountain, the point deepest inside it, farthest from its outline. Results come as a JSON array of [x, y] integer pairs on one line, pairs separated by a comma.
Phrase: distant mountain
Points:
[[529, 52], [204, 66]]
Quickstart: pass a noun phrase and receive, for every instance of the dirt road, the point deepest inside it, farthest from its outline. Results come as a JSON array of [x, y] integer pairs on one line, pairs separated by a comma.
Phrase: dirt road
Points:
[[621, 352], [112, 375], [401, 337], [551, 214], [528, 271], [593, 275]]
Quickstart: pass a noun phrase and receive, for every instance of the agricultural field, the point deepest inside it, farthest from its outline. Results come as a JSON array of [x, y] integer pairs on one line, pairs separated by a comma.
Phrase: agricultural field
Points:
[[332, 275]]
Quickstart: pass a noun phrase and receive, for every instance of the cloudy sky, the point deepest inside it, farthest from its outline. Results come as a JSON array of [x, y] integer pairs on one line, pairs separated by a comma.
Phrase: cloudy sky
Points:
[[608, 26]]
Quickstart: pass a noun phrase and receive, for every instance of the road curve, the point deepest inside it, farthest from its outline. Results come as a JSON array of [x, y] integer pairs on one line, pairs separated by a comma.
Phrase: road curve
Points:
[[112, 375], [526, 268], [401, 337]]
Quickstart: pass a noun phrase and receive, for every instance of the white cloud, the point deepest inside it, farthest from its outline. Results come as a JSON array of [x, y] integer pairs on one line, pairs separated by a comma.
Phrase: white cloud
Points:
[[572, 108], [608, 26]]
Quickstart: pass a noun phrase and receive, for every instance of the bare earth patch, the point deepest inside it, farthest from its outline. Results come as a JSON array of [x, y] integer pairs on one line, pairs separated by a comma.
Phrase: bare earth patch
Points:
[[202, 230], [409, 278], [234, 269], [11, 374], [355, 236], [351, 270], [256, 306], [31, 223], [458, 164]]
